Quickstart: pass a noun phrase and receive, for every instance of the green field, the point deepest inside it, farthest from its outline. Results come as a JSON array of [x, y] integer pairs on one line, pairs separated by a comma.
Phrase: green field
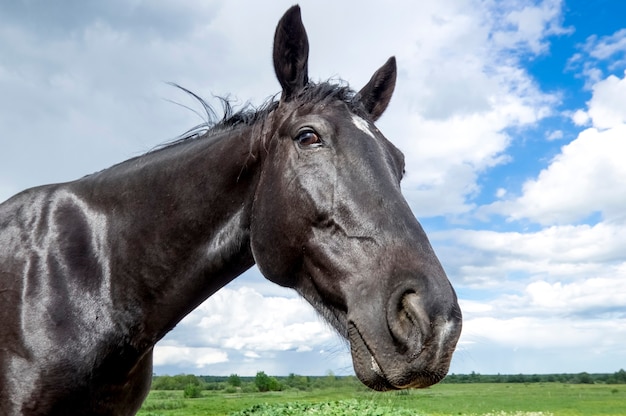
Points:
[[492, 399]]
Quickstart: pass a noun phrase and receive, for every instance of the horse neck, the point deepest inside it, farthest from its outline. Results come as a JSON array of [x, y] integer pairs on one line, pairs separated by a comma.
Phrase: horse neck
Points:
[[178, 225]]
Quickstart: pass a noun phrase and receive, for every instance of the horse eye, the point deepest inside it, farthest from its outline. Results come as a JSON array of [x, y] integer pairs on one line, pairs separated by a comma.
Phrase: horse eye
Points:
[[309, 138]]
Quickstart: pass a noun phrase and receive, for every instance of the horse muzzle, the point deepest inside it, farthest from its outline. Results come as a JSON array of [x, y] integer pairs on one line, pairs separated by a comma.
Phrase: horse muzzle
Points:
[[413, 347]]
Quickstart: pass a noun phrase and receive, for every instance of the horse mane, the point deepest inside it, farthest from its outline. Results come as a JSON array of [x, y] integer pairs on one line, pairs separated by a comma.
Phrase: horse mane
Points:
[[248, 115]]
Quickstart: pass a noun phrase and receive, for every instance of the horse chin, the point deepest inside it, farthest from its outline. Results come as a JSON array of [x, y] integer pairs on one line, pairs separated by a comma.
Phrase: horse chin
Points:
[[365, 365], [370, 372]]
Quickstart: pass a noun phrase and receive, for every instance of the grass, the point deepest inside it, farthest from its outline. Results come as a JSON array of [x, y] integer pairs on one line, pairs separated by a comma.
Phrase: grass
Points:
[[501, 399]]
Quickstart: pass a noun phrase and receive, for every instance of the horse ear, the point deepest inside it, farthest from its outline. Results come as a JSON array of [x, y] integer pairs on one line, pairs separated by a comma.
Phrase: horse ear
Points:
[[375, 96], [291, 53]]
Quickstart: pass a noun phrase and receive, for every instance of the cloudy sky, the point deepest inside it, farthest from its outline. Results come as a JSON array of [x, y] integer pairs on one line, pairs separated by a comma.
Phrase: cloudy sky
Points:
[[512, 116]]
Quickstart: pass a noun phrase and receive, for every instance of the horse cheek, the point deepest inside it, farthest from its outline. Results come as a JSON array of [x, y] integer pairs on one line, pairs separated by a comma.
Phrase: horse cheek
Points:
[[272, 236], [288, 207]]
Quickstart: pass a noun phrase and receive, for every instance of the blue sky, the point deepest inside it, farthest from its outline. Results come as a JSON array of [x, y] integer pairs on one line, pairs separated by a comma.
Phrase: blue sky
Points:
[[511, 115]]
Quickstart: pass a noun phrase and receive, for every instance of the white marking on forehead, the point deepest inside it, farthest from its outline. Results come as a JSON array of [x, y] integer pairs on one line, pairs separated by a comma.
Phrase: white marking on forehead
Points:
[[362, 125]]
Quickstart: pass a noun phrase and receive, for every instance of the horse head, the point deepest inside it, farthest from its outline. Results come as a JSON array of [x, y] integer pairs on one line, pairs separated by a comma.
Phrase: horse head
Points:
[[330, 221]]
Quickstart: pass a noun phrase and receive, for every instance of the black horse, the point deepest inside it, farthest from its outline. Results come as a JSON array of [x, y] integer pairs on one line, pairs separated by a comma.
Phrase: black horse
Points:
[[94, 272]]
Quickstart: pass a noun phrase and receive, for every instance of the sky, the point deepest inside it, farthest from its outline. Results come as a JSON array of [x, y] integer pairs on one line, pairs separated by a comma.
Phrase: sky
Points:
[[511, 115]]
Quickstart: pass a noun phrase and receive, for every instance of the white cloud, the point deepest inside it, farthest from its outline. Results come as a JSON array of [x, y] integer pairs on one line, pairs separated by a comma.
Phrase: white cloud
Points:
[[580, 117], [460, 97], [547, 326], [548, 333], [607, 107], [562, 288], [599, 54], [591, 299], [525, 25], [607, 47], [586, 177], [554, 135], [593, 294], [242, 331], [489, 259], [245, 320], [198, 357]]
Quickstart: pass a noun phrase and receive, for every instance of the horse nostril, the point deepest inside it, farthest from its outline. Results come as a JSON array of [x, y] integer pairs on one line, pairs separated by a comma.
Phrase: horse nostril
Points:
[[410, 324], [414, 309]]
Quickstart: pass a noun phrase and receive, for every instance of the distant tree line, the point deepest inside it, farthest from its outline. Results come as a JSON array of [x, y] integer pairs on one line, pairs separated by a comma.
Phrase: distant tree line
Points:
[[192, 385], [618, 377], [259, 383]]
